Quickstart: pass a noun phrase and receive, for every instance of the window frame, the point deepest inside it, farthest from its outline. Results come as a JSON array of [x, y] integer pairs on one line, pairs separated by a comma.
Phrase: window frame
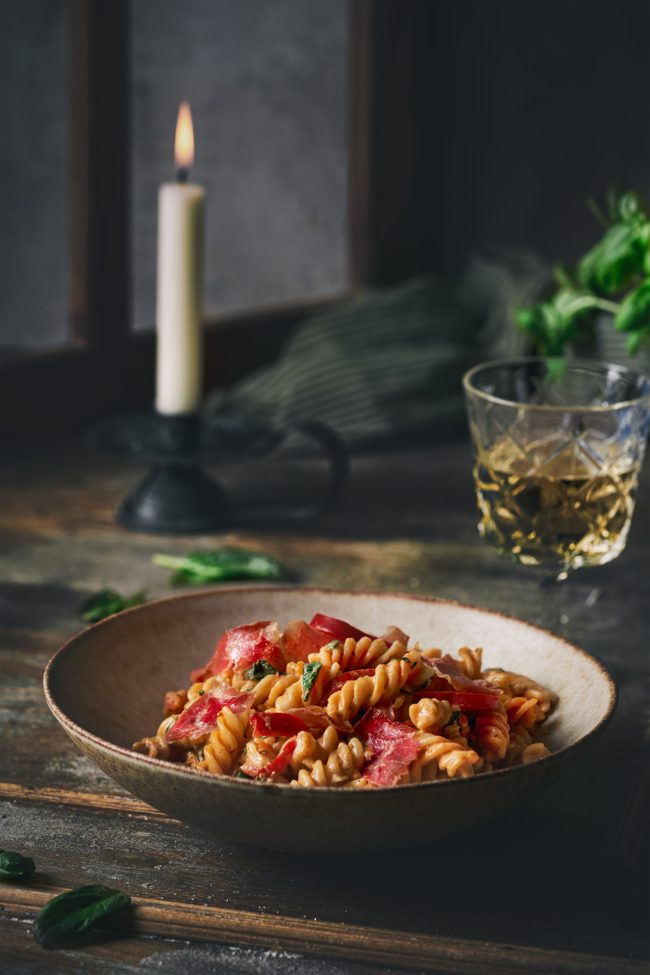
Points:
[[106, 367]]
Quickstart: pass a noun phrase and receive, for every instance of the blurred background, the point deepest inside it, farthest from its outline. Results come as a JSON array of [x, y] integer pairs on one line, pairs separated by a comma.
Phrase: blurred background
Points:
[[346, 146]]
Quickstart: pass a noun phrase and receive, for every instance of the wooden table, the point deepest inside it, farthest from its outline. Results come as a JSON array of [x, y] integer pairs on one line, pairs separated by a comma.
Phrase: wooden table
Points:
[[560, 886]]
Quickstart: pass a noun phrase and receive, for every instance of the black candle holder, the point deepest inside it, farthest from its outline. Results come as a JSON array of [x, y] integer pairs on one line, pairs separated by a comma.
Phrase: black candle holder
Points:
[[178, 496]]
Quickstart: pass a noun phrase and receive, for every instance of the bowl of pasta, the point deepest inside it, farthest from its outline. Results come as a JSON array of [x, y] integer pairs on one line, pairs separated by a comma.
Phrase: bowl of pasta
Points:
[[302, 719]]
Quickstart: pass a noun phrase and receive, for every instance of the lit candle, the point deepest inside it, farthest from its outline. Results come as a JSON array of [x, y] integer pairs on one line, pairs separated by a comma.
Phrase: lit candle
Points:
[[181, 213]]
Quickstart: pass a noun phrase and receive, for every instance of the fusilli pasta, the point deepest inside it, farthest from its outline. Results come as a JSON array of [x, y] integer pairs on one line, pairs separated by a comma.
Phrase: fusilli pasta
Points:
[[359, 712]]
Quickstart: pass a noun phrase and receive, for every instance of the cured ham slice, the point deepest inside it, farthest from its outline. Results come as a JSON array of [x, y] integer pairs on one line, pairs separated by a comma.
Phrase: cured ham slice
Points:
[[394, 747], [451, 671], [241, 647], [278, 764], [201, 717], [300, 640]]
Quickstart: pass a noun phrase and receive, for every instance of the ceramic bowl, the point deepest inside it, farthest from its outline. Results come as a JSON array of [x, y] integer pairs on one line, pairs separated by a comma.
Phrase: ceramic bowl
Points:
[[106, 686]]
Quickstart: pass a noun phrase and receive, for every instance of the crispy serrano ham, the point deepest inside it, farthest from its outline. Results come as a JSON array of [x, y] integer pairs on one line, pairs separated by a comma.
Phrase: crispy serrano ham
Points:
[[240, 648], [278, 764], [300, 640], [451, 672], [201, 717], [394, 747]]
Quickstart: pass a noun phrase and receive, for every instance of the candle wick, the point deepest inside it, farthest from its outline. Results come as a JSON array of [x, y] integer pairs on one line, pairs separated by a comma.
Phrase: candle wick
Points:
[[182, 174]]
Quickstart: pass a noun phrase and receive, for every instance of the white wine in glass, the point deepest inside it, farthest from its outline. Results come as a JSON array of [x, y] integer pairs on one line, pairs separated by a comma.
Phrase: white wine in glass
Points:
[[558, 449]]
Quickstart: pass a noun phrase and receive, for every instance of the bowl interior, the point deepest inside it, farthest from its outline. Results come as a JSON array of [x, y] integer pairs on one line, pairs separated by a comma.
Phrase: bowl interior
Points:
[[110, 679]]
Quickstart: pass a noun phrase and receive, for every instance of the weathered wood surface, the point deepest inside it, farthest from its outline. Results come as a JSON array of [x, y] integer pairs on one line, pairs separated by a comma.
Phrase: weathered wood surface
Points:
[[560, 886]]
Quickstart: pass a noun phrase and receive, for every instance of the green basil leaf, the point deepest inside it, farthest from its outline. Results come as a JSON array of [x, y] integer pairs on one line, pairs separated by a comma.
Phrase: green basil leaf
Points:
[[554, 323], [106, 602], [220, 565], [66, 918], [261, 668], [634, 313], [14, 866], [627, 207], [616, 259], [309, 675], [636, 340]]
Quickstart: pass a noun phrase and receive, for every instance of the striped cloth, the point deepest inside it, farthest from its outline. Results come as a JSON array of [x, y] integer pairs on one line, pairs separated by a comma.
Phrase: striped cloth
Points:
[[387, 365]]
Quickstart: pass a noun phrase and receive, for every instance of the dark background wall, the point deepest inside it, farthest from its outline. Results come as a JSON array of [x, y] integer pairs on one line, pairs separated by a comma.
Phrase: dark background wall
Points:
[[491, 122], [497, 118]]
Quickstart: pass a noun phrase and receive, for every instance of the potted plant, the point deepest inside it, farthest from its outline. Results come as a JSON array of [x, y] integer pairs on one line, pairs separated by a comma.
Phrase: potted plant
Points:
[[612, 280]]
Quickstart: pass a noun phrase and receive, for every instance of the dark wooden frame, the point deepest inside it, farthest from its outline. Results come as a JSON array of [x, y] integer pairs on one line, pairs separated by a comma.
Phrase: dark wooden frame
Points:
[[107, 368]]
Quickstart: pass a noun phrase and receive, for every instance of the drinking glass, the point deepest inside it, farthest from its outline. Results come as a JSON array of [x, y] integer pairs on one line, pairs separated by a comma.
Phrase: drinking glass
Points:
[[558, 448]]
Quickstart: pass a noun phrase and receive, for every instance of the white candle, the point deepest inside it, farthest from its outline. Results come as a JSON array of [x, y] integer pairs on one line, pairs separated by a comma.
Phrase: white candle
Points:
[[179, 305]]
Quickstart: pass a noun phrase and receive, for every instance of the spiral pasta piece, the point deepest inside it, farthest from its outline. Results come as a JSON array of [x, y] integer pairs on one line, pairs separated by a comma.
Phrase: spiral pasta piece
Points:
[[470, 661], [215, 684], [448, 756], [429, 714], [523, 712], [341, 765], [518, 685], [431, 653], [258, 752], [291, 698], [154, 747], [520, 739], [357, 654], [534, 752], [225, 742], [327, 742], [304, 754], [267, 691], [175, 702], [492, 734], [366, 691]]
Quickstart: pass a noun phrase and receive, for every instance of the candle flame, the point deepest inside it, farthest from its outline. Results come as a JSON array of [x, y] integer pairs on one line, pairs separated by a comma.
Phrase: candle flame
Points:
[[184, 141]]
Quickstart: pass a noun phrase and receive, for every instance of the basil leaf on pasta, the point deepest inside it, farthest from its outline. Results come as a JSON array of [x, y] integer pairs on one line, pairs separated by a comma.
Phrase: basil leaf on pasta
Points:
[[309, 675], [260, 669]]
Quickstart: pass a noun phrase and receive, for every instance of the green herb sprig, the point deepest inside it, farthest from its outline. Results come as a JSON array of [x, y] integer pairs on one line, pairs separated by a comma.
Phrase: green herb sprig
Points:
[[106, 602], [68, 917], [309, 674], [613, 277], [15, 866], [220, 565], [260, 669]]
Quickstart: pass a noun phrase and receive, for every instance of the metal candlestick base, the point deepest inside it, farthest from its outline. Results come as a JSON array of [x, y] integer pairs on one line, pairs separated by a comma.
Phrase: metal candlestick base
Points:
[[175, 500], [177, 496]]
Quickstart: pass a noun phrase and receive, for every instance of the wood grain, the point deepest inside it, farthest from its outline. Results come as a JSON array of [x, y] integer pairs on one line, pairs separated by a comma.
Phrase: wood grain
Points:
[[559, 887], [94, 801], [366, 944]]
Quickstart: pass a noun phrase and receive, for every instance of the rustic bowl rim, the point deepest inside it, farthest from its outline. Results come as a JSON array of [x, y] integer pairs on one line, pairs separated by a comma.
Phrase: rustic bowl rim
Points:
[[557, 757]]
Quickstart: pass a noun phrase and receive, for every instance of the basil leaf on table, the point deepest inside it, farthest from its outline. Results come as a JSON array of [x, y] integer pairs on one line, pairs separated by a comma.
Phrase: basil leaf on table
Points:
[[14, 866], [219, 565], [67, 917], [106, 602]]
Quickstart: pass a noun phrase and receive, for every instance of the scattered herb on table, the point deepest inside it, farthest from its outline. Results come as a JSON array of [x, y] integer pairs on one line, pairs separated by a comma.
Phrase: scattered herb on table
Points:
[[106, 602], [613, 277], [14, 866], [69, 916], [219, 565]]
